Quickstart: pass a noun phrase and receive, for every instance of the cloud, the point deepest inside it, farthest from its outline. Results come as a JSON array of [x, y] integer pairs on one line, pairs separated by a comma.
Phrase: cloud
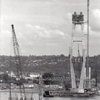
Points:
[[41, 32], [95, 20], [3, 18], [69, 17], [41, 40], [93, 33], [5, 41]]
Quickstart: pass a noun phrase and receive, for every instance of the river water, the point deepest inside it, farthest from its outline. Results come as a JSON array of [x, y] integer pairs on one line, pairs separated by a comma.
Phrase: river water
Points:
[[5, 96]]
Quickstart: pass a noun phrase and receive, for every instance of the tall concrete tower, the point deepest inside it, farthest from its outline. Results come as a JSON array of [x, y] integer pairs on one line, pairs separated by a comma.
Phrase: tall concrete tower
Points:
[[77, 20]]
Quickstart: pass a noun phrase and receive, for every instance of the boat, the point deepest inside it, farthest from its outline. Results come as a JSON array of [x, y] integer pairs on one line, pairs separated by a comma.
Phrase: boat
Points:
[[67, 94], [47, 94]]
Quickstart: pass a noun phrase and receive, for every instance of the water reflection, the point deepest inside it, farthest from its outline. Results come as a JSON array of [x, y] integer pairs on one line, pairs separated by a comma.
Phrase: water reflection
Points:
[[5, 96]]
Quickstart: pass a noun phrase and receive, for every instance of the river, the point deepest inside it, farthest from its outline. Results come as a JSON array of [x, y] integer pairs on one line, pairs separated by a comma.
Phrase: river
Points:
[[5, 96]]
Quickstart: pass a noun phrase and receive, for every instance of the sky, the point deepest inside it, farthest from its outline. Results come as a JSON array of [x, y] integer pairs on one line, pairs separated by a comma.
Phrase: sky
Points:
[[44, 27]]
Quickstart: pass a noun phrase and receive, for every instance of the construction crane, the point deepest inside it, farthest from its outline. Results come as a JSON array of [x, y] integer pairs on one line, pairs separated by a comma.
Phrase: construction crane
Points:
[[18, 63]]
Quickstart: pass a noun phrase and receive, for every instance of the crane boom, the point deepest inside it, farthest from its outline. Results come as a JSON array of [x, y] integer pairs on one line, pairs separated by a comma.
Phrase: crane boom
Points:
[[17, 60], [16, 53]]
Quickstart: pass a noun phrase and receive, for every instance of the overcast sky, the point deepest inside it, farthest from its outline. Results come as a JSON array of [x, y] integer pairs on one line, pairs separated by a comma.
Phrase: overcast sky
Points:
[[43, 27]]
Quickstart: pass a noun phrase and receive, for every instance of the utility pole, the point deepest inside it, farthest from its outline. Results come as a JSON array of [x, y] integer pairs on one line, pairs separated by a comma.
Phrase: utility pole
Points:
[[10, 94], [96, 71]]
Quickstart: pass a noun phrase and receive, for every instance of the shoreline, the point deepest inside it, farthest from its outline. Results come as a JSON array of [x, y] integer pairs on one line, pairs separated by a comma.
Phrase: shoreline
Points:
[[32, 90]]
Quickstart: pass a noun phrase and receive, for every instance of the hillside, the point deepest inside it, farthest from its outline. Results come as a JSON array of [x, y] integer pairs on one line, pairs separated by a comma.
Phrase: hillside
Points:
[[55, 64]]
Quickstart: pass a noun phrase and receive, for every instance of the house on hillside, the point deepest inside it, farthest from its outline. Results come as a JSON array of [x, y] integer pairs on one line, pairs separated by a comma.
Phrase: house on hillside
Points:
[[34, 75]]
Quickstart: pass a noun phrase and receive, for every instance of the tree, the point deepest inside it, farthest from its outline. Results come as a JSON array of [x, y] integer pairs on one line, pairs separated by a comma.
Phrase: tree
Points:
[[47, 78]]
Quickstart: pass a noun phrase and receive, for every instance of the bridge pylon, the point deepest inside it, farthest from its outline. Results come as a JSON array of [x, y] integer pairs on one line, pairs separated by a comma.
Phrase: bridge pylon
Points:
[[77, 20]]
